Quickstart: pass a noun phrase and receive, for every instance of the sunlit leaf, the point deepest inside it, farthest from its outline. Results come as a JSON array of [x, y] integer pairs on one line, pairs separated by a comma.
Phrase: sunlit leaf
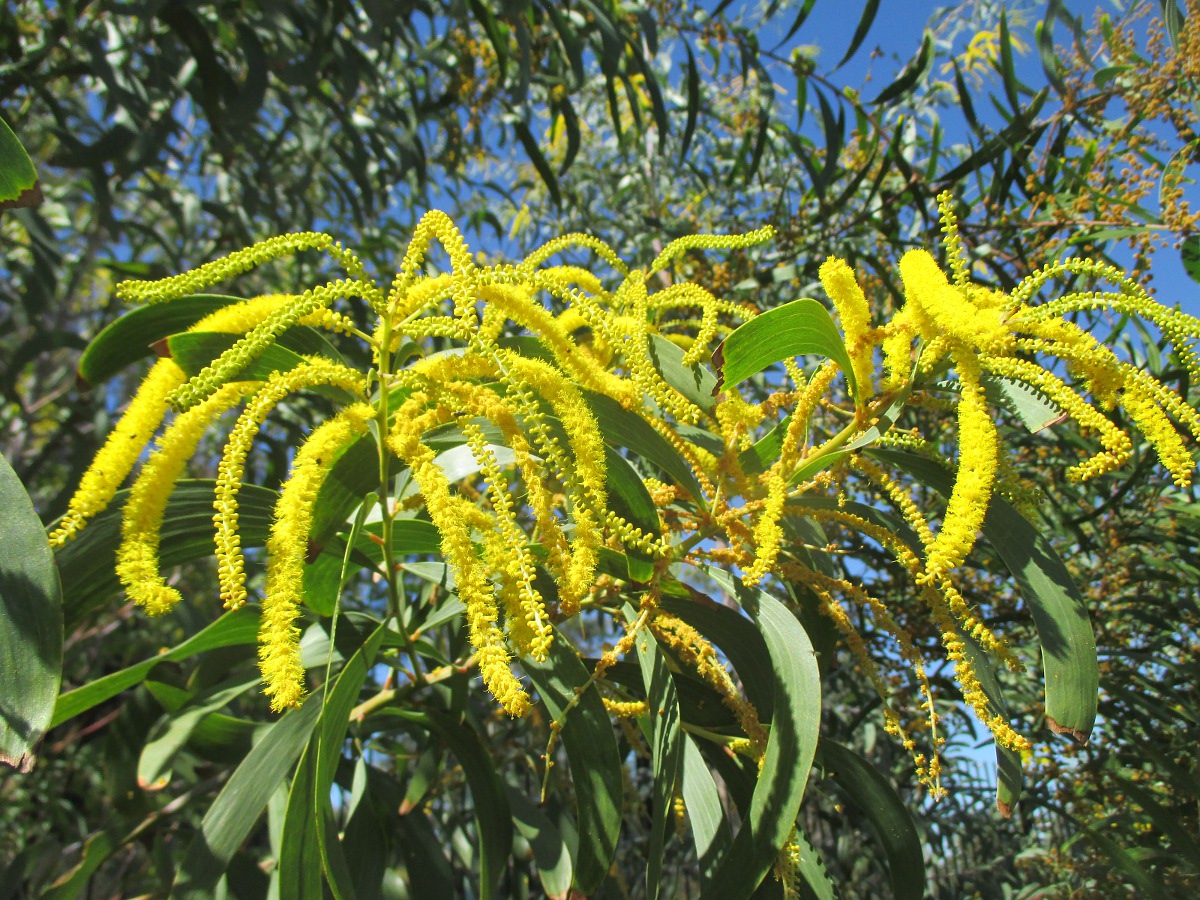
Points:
[[19, 186], [132, 336], [794, 329]]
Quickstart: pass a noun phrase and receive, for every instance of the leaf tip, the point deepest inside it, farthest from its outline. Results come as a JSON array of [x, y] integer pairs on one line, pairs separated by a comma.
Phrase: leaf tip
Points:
[[1079, 735]]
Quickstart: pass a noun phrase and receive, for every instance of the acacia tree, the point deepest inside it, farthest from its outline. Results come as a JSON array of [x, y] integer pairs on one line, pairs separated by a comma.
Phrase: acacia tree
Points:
[[700, 502]]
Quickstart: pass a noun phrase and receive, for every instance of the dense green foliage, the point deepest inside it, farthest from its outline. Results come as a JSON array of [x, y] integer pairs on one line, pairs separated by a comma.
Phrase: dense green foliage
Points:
[[168, 135]]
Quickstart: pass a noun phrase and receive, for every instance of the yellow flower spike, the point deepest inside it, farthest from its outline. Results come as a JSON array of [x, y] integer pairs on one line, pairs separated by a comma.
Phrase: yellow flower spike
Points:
[[897, 347], [516, 303], [450, 515], [1154, 424], [287, 550], [698, 655], [938, 308], [435, 224], [851, 304], [574, 275], [246, 349], [230, 571], [767, 533], [518, 570], [681, 245], [121, 450], [137, 557], [568, 241], [1117, 446], [223, 269], [975, 476], [951, 240]]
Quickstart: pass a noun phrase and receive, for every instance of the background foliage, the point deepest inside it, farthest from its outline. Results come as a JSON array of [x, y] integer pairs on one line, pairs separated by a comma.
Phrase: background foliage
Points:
[[166, 134]]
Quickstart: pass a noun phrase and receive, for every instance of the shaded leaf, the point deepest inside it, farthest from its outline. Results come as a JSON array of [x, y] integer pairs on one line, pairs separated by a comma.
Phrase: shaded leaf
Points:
[[595, 763], [31, 625], [493, 818], [241, 802], [874, 795]]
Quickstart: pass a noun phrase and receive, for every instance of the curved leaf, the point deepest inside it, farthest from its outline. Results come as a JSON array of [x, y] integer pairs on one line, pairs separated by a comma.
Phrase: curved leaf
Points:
[[696, 382], [791, 746], [237, 627], [623, 428], [238, 807], [169, 736], [88, 563], [550, 852], [131, 337], [705, 811], [628, 497], [493, 818], [889, 817], [915, 71], [19, 185], [794, 329], [31, 625], [309, 843]]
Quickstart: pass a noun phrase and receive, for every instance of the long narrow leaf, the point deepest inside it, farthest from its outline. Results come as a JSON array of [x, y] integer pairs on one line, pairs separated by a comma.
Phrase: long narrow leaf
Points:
[[241, 802], [591, 747]]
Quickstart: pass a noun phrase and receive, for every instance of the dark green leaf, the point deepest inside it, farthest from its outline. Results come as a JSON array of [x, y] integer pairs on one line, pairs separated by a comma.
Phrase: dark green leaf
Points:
[[544, 169], [628, 498], [31, 625], [915, 71], [1189, 254], [87, 564], [193, 350], [130, 337], [622, 428], [309, 843], [169, 736], [693, 103], [551, 854], [587, 736], [860, 33], [238, 807], [492, 816], [706, 813], [874, 795]]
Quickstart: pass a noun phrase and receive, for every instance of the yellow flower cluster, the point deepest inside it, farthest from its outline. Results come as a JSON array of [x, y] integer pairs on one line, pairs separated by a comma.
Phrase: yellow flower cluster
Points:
[[523, 367]]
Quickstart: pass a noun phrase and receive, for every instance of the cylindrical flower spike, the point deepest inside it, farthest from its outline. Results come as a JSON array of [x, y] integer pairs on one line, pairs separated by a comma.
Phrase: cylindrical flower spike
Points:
[[287, 548]]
